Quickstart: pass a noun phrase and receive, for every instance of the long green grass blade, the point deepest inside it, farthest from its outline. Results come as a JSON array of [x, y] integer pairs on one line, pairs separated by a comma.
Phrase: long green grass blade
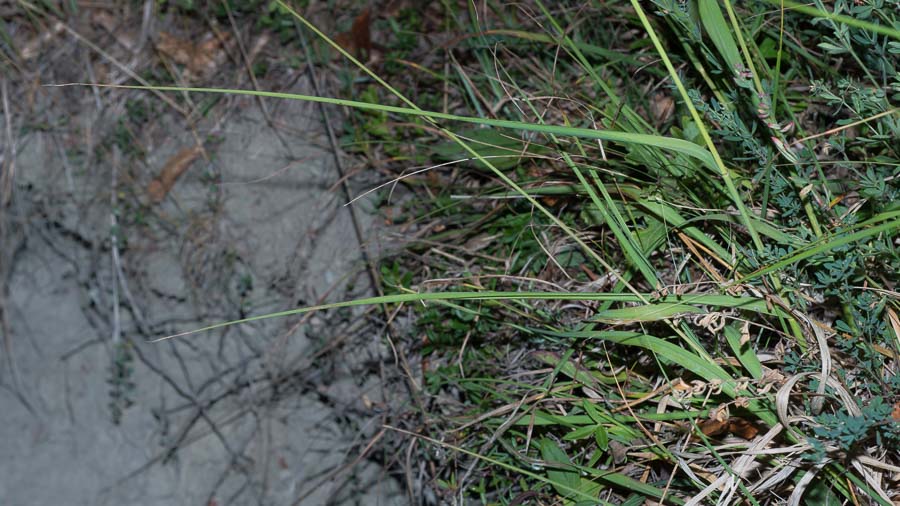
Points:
[[648, 313], [827, 244], [698, 365], [703, 367], [657, 141], [719, 164], [575, 492], [750, 303], [847, 20], [614, 220], [719, 33], [743, 352], [625, 482], [564, 481]]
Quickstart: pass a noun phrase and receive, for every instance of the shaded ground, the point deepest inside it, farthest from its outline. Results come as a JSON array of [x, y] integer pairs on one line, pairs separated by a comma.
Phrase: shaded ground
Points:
[[93, 412]]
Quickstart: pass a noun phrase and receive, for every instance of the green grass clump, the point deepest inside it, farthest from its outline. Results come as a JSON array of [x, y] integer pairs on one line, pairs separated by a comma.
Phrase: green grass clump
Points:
[[725, 176]]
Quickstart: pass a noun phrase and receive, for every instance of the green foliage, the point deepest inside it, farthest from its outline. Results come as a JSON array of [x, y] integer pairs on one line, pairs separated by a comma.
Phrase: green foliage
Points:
[[864, 329], [138, 111], [733, 129], [802, 193], [565, 481], [395, 277], [121, 385], [448, 328], [406, 29], [873, 426]]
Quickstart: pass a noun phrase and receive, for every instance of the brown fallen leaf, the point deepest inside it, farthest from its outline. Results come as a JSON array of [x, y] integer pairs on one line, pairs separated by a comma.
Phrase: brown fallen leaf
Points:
[[742, 428], [174, 168], [717, 426], [201, 59], [745, 333], [662, 107], [358, 41], [179, 50], [362, 35], [712, 427], [550, 201], [619, 451], [895, 414]]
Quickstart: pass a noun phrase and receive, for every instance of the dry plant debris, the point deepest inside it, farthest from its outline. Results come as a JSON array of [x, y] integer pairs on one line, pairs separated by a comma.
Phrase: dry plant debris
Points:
[[175, 166], [201, 58]]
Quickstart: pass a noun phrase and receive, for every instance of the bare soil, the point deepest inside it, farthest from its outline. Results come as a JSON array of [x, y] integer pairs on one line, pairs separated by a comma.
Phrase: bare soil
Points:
[[95, 267]]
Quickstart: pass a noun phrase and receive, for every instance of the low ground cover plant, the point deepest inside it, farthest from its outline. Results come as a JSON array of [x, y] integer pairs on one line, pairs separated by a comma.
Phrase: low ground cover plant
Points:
[[700, 201]]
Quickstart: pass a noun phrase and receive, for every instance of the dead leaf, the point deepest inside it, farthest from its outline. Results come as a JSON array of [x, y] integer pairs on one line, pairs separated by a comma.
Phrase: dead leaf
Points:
[[895, 414], [712, 427], [680, 389], [201, 59], [590, 274], [895, 323], [344, 40], [178, 50], [358, 41], [174, 168], [662, 106], [745, 333], [479, 242], [550, 201], [742, 428], [433, 178], [619, 451], [362, 36], [805, 190]]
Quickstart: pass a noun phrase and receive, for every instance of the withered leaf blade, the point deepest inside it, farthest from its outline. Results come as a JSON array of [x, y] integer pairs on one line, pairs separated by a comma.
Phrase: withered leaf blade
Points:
[[344, 40], [742, 428], [201, 58], [174, 168], [180, 51], [712, 427], [662, 107], [362, 36], [357, 41]]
